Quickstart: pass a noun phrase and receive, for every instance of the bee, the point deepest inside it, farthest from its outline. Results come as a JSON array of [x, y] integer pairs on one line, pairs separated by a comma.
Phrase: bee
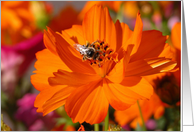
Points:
[[88, 51]]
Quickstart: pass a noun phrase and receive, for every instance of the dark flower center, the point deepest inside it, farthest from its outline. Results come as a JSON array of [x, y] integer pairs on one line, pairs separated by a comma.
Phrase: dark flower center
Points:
[[97, 52]]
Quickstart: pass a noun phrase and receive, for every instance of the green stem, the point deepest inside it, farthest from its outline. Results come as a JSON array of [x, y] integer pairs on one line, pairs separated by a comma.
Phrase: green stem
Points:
[[106, 120], [144, 127], [96, 127]]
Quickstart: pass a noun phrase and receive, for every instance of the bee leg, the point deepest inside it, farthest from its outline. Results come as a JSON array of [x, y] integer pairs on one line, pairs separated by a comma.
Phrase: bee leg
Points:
[[94, 43], [99, 51], [84, 58], [87, 44]]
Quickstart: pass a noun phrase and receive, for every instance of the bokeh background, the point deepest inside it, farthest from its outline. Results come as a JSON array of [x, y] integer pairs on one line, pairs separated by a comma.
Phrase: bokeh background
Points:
[[22, 25]]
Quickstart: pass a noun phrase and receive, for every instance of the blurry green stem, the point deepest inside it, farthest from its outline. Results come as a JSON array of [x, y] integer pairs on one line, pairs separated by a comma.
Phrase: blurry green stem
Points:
[[106, 122], [96, 127], [144, 127]]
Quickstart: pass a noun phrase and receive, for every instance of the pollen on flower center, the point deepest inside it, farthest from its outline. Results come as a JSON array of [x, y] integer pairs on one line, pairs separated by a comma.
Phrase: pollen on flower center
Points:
[[97, 52]]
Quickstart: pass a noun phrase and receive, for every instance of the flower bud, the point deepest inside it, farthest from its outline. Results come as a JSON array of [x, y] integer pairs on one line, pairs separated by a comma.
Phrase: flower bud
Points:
[[168, 89]]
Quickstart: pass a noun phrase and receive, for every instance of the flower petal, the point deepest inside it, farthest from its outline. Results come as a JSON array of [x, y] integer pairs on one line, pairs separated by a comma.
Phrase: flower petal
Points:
[[52, 63], [75, 64], [76, 34], [87, 103], [98, 25], [119, 96], [123, 34], [168, 52], [127, 56], [71, 43], [152, 44], [87, 6], [116, 75], [149, 66], [137, 34], [49, 40], [45, 95], [13, 4], [58, 99], [6, 15], [176, 35], [123, 117], [148, 108], [159, 112], [72, 78], [138, 85]]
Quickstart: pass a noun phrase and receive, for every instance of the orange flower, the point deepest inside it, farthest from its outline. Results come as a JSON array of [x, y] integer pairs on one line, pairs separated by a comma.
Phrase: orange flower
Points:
[[107, 70], [17, 21], [167, 85], [154, 106], [20, 20]]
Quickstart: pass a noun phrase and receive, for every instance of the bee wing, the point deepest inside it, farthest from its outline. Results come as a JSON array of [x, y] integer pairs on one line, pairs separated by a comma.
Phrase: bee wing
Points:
[[82, 49], [77, 47]]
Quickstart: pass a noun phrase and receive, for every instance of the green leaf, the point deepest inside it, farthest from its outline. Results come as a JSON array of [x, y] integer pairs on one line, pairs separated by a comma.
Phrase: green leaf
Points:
[[161, 123]]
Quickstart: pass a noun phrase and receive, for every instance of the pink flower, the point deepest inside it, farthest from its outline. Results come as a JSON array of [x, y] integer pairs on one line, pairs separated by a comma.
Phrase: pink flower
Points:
[[151, 124], [16, 59], [27, 114], [172, 21]]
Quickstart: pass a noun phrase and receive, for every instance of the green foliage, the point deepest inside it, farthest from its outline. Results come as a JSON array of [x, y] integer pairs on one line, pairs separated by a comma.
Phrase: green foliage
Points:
[[161, 123]]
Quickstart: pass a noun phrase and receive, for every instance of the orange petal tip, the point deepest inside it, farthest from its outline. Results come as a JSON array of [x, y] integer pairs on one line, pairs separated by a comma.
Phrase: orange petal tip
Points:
[[81, 128], [167, 36]]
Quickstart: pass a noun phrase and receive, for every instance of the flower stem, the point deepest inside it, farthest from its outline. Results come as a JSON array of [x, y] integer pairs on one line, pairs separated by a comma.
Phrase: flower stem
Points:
[[96, 127], [144, 127], [106, 122]]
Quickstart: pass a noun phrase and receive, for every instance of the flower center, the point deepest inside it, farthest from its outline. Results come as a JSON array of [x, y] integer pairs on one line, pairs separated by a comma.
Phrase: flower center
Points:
[[96, 53]]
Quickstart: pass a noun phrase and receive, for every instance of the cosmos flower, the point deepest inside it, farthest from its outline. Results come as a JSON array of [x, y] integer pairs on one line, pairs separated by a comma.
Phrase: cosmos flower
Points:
[[20, 20], [107, 70], [131, 116], [17, 21]]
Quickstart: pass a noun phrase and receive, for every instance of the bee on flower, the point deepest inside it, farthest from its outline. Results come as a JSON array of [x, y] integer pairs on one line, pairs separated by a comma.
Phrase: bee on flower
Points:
[[90, 66]]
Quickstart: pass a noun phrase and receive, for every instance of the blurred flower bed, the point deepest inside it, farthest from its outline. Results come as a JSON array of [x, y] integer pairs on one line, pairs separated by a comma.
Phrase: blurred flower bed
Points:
[[27, 27]]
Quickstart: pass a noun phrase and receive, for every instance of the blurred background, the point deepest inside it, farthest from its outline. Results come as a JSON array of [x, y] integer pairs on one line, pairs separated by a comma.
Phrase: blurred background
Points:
[[22, 26]]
